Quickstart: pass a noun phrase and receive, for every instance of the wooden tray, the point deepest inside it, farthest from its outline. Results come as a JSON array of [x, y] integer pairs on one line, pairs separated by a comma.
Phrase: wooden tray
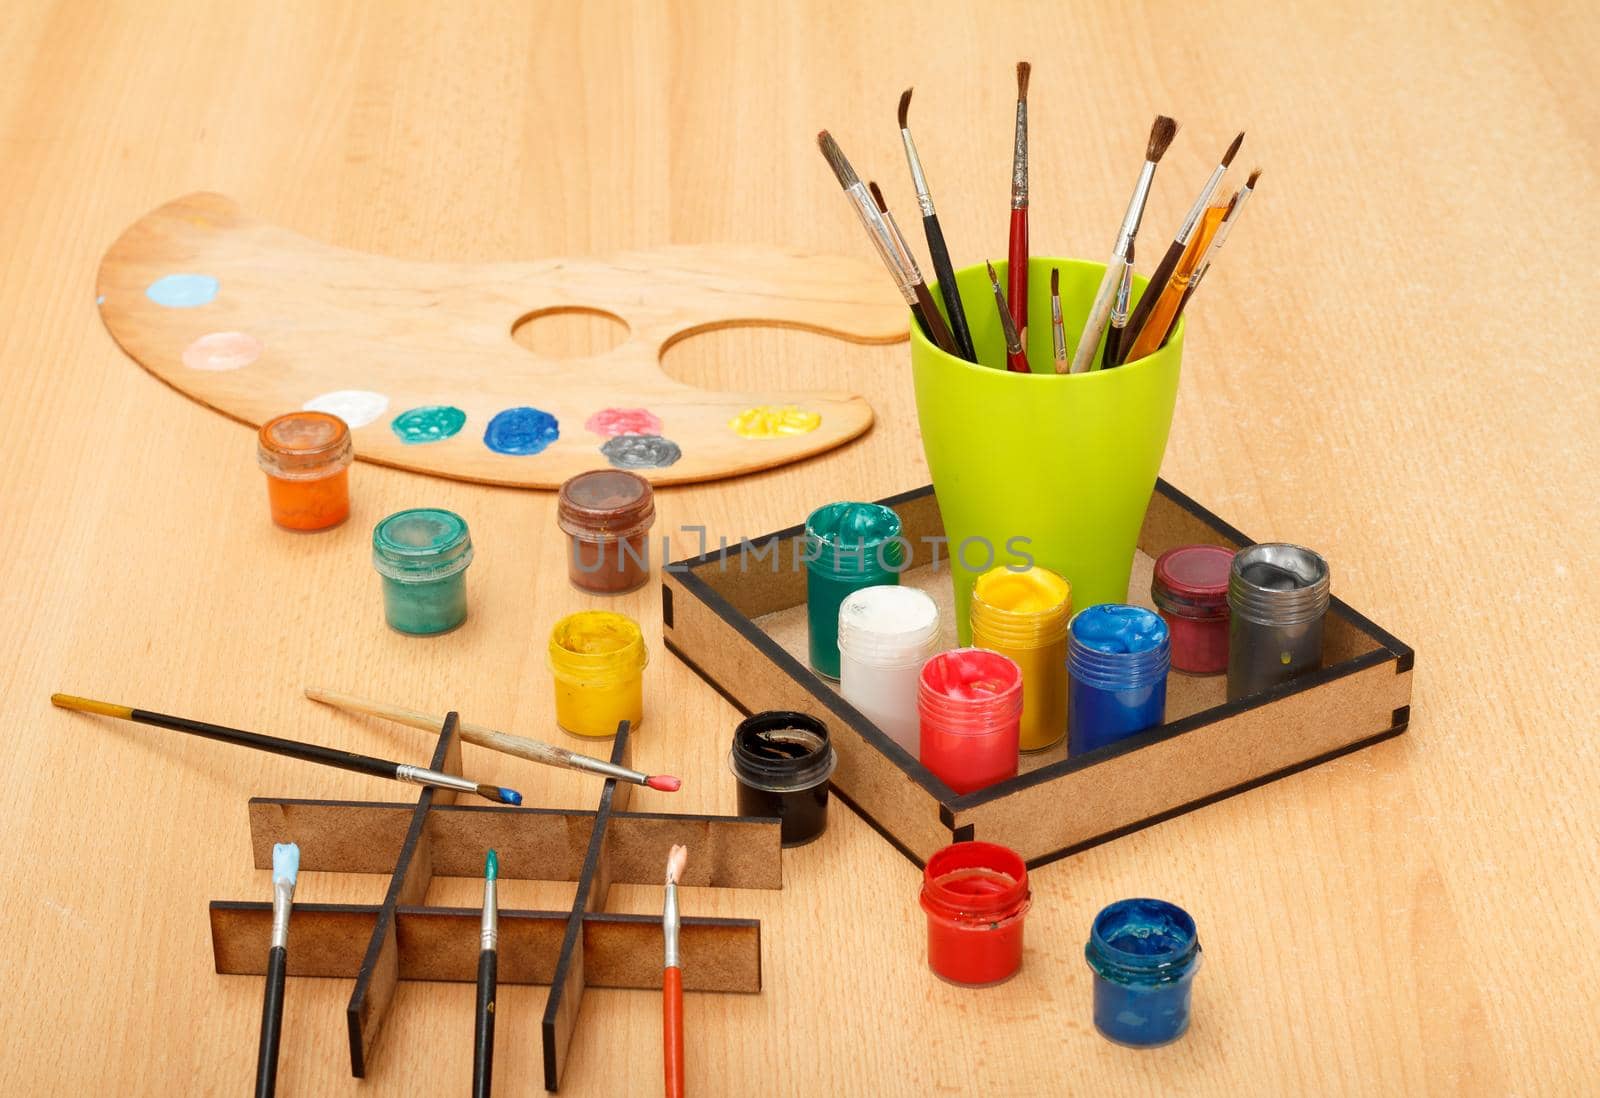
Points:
[[737, 617]]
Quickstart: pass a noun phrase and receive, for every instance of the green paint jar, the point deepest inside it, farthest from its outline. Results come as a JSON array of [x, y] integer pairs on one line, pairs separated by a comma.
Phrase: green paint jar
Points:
[[422, 555], [849, 546]]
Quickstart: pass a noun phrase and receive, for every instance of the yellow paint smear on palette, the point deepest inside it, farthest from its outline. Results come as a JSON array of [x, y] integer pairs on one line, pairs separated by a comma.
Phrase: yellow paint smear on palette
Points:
[[772, 421]]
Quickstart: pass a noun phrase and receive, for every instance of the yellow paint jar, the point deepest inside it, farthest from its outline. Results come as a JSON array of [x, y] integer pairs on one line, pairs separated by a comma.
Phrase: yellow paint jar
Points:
[[598, 659], [1024, 615]]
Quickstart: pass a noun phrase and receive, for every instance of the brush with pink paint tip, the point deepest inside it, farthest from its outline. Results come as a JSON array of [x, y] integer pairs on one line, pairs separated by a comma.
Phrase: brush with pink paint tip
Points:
[[521, 747]]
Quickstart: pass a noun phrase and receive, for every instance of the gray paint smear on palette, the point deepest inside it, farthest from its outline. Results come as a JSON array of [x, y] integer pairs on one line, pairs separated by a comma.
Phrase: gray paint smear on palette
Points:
[[641, 451]]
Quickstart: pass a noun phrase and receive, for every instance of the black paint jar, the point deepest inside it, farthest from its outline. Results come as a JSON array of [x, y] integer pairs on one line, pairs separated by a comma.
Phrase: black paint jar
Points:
[[783, 761]]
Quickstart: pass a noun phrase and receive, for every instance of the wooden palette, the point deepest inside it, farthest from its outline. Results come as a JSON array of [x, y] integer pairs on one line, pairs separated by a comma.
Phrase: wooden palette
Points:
[[440, 334]]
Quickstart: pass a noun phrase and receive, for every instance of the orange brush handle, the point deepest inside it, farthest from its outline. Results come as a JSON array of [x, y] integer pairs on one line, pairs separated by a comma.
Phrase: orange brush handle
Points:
[[1161, 318], [672, 1030]]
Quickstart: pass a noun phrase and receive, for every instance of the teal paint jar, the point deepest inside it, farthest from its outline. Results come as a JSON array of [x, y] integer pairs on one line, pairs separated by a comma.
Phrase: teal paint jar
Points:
[[849, 546], [422, 555]]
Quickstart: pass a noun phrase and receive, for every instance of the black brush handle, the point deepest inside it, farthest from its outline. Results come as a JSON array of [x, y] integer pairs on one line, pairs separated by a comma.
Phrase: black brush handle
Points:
[[1152, 293], [294, 749], [483, 1038], [271, 1023], [948, 288], [1113, 348]]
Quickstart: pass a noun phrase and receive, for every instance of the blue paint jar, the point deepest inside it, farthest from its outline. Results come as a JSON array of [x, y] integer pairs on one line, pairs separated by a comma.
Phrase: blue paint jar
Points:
[[1144, 954], [1117, 662], [422, 555]]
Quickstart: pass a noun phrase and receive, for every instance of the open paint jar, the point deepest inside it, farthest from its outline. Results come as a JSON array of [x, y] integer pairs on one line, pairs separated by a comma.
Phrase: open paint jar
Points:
[[1190, 590], [422, 555], [606, 515], [1023, 614], [306, 456], [886, 634], [1117, 662], [970, 704], [975, 896], [783, 761], [1278, 595], [598, 660], [1144, 954], [848, 546]]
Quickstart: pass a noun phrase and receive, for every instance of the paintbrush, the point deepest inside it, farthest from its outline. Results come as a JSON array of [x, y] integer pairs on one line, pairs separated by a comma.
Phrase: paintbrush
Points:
[[878, 229], [1016, 357], [294, 749], [1162, 132], [1175, 250], [522, 748], [932, 318], [285, 868], [488, 961], [1017, 256], [1058, 330], [1235, 208], [1119, 314], [937, 249], [672, 979], [1165, 313]]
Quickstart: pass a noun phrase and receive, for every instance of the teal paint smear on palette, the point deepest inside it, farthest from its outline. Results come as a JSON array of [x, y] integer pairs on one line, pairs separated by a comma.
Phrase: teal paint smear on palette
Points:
[[431, 423], [183, 291], [521, 431]]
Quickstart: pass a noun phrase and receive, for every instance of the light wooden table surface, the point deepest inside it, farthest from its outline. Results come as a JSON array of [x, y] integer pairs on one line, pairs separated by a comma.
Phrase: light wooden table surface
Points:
[[1390, 366]]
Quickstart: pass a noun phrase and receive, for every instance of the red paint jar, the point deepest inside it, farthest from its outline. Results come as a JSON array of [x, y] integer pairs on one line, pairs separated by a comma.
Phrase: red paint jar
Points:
[[969, 705], [976, 895], [606, 515], [1190, 589]]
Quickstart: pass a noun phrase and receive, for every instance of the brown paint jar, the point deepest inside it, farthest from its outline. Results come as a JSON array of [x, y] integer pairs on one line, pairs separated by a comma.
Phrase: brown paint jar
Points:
[[606, 515]]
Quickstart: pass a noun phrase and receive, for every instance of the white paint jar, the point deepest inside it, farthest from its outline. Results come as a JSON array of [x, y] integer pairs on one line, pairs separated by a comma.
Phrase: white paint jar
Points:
[[886, 634]]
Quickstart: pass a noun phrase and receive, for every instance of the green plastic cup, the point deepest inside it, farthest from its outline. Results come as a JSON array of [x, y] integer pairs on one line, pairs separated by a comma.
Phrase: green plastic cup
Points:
[[1043, 468]]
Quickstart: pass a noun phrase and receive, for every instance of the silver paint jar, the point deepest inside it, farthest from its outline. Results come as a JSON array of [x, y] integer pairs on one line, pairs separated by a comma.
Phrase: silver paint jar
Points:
[[1277, 598]]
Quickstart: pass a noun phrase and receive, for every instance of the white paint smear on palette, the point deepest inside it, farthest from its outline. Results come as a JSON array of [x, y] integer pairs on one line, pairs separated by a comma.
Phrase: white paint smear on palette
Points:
[[219, 351], [357, 407]]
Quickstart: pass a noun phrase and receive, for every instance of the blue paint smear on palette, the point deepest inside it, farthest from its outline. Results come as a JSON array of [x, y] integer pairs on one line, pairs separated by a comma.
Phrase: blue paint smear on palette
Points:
[[183, 291], [521, 431], [431, 423]]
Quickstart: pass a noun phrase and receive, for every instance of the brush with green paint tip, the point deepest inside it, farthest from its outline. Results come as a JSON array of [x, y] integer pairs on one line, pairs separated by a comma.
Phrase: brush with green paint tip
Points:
[[294, 749], [285, 868], [488, 954]]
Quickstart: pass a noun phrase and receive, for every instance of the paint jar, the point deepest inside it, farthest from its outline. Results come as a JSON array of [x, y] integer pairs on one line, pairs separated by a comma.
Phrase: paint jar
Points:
[[1144, 954], [422, 555], [970, 705], [1190, 590], [598, 661], [1278, 595], [975, 895], [606, 515], [886, 634], [306, 456], [1117, 662], [1023, 615], [848, 546], [783, 761]]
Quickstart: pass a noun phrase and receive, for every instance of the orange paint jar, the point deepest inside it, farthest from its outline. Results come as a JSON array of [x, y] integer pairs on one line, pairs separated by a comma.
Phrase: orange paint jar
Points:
[[306, 456]]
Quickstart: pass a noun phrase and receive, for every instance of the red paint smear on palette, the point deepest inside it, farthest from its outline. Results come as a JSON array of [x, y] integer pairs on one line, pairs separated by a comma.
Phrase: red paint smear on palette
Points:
[[611, 422]]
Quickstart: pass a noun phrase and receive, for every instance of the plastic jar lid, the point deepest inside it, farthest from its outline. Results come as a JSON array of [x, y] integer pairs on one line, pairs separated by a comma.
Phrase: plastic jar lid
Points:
[[1143, 941], [605, 503], [1191, 581], [421, 545], [1113, 646], [976, 885], [970, 691], [782, 751], [1276, 583], [1026, 608], [596, 648], [854, 539], [304, 445]]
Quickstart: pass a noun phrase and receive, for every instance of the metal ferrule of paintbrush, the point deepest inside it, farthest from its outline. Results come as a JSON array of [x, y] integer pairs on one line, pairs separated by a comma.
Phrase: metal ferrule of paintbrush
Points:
[[1119, 307], [1019, 159], [489, 935], [421, 775], [1058, 334], [918, 180], [1192, 219], [883, 238], [1221, 237], [1136, 204], [282, 904], [602, 768]]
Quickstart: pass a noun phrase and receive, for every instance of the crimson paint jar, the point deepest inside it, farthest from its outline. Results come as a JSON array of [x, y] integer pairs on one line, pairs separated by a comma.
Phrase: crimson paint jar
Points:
[[1190, 590], [975, 895], [969, 708]]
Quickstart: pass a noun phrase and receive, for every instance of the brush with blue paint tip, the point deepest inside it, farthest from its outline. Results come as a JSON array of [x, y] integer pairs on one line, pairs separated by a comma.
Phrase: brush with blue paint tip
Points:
[[488, 954], [294, 749], [285, 868]]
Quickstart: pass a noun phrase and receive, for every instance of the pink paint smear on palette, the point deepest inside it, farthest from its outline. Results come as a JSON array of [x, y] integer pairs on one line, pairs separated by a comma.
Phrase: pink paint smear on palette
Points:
[[611, 422]]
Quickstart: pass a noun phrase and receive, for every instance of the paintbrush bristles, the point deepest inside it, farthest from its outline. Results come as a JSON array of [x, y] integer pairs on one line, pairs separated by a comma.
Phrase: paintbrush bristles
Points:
[[1233, 150], [677, 858], [1162, 131], [1024, 71], [1251, 182], [1055, 282], [835, 156], [905, 107], [877, 196]]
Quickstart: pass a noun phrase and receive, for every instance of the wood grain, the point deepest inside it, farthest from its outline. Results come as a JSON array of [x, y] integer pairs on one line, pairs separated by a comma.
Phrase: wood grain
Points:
[[1392, 362]]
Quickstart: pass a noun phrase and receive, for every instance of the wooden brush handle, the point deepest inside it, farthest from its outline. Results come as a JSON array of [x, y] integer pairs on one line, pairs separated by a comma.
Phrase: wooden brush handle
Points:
[[1017, 273], [672, 1030], [532, 750], [1094, 325]]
